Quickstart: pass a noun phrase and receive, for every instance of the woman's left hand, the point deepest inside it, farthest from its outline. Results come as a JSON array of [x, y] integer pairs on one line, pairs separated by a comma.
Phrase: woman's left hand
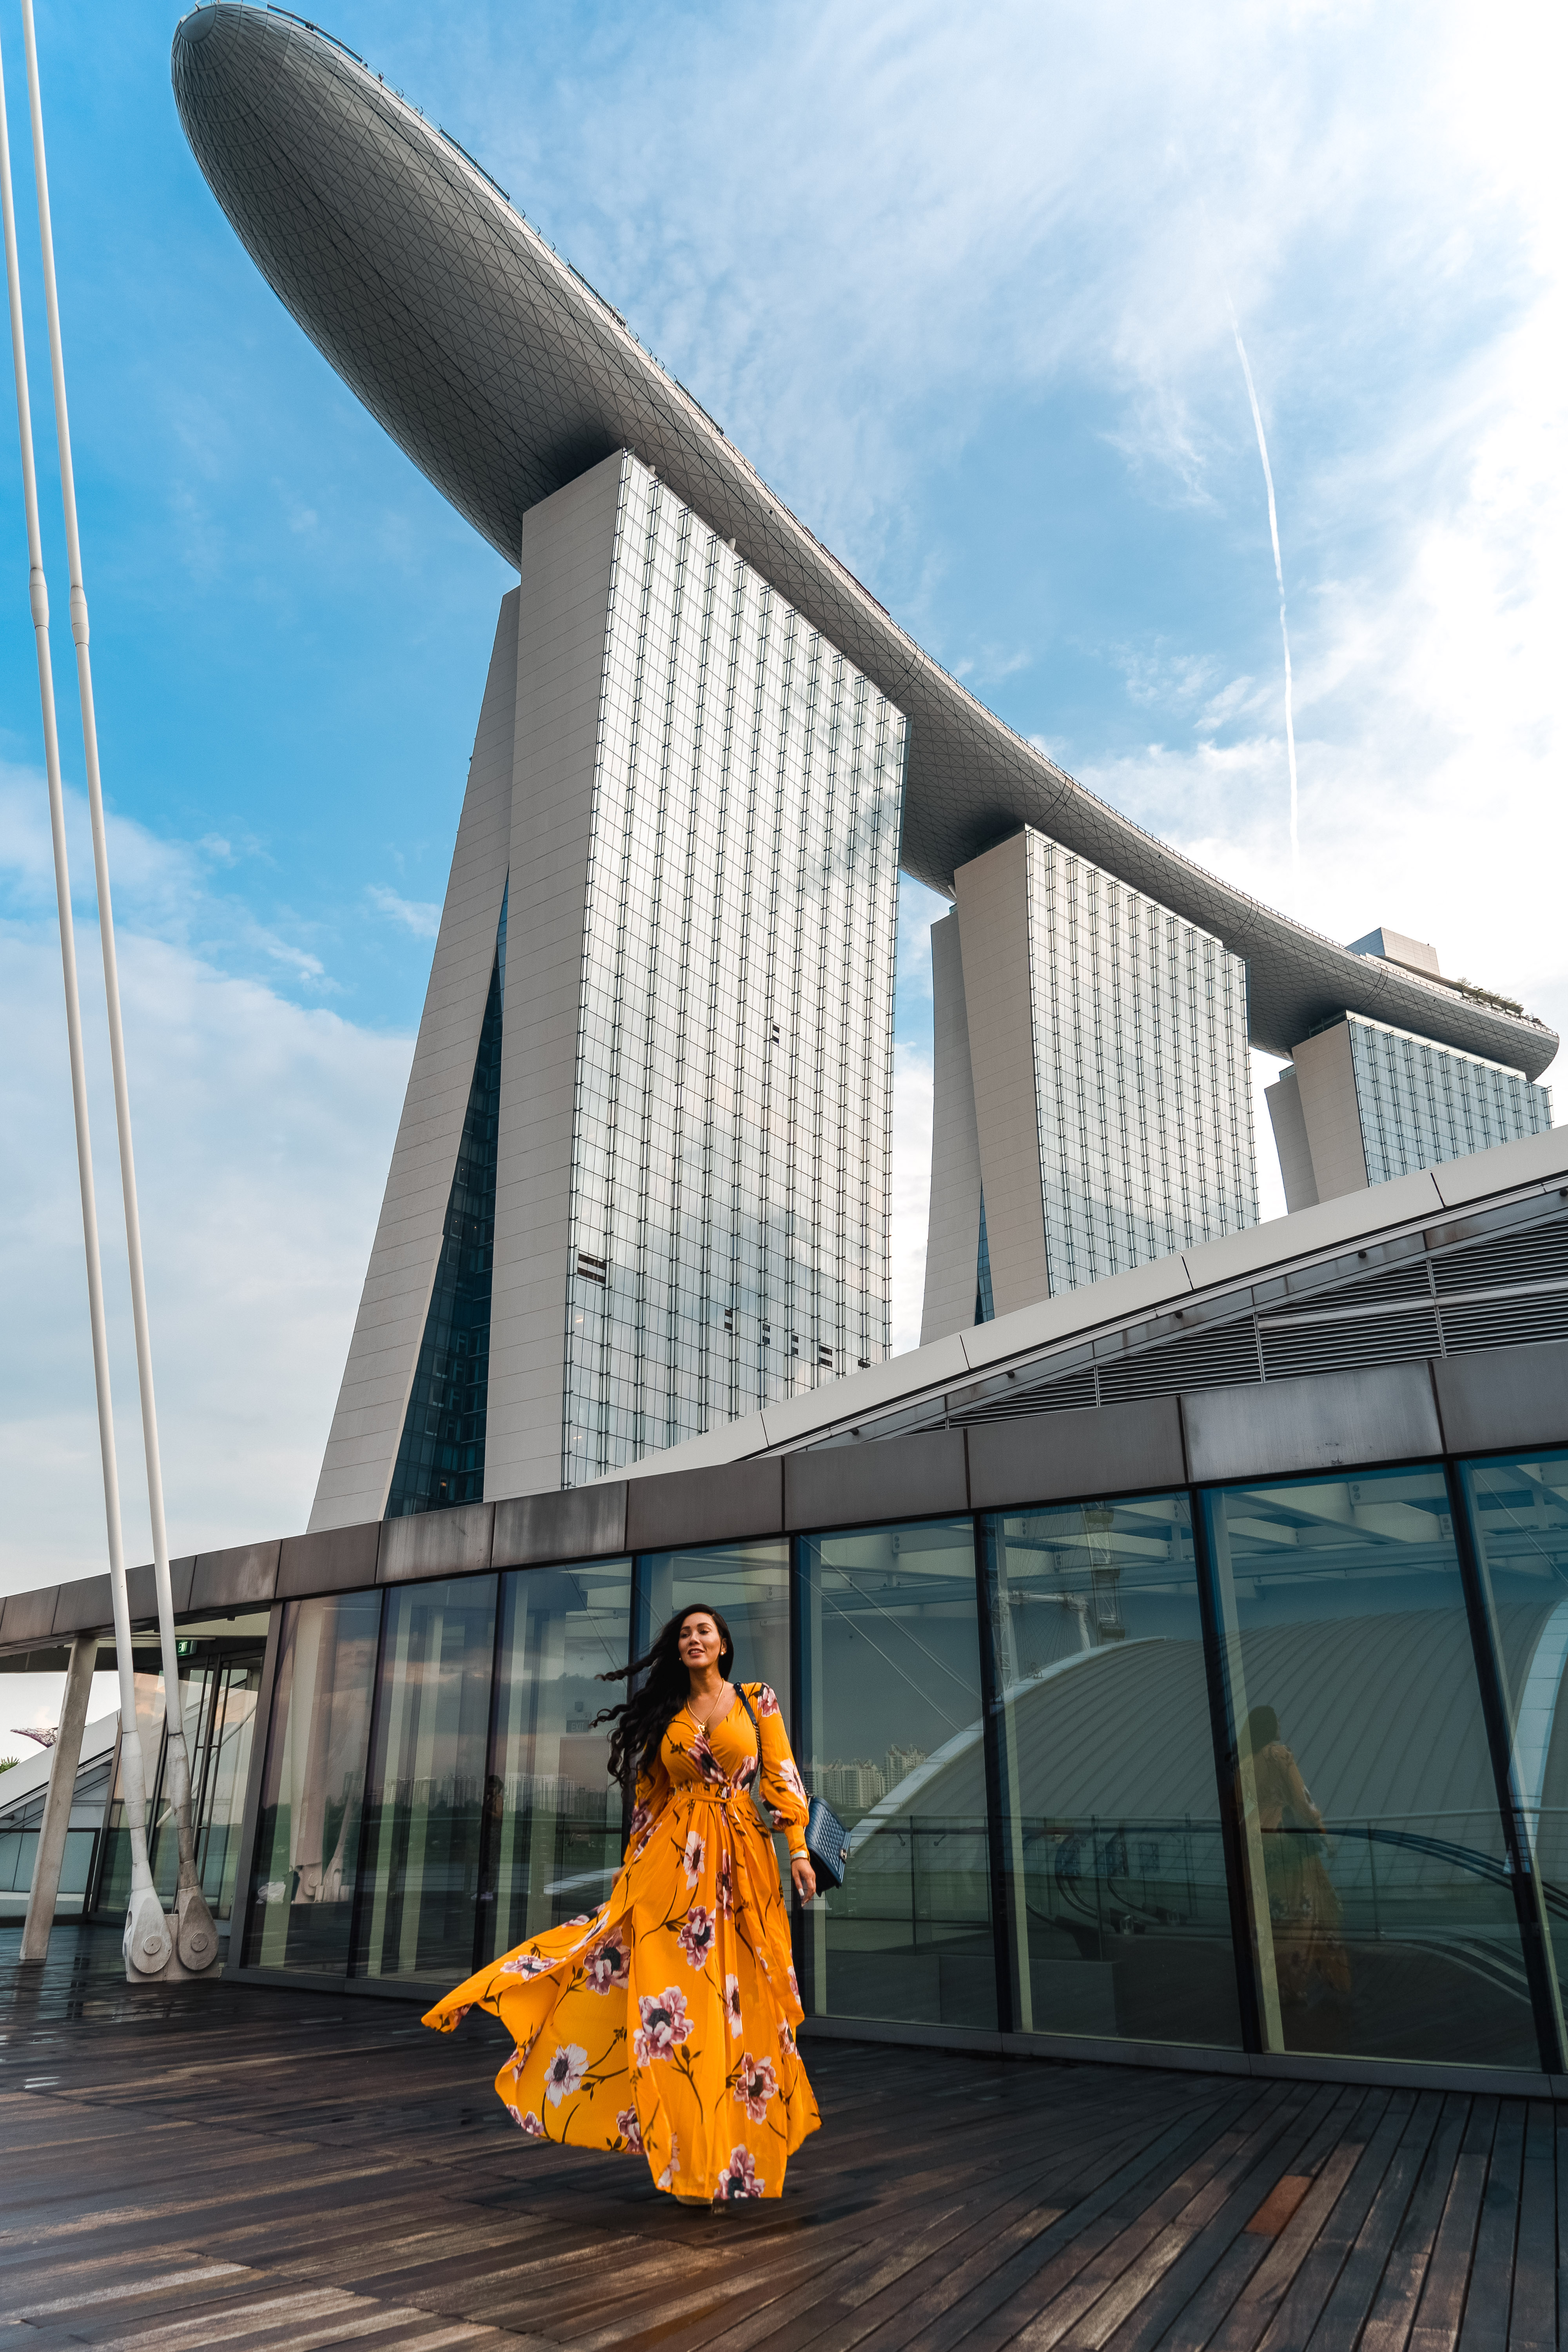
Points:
[[804, 1875]]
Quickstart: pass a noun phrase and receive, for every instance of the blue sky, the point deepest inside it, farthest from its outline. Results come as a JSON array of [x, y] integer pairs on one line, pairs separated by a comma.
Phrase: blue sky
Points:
[[956, 281]]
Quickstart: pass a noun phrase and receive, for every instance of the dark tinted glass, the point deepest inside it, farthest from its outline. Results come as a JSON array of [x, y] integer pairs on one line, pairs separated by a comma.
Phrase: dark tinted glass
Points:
[[554, 1815], [424, 1794], [1519, 1516], [1378, 1893], [308, 1830], [892, 1737], [1119, 1919]]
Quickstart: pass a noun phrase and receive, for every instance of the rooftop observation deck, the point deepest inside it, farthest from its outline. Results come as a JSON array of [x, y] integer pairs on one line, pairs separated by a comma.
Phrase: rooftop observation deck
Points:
[[215, 2164]]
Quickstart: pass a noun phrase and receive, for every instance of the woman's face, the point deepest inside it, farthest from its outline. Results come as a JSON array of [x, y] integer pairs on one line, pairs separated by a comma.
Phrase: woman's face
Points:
[[699, 1640]]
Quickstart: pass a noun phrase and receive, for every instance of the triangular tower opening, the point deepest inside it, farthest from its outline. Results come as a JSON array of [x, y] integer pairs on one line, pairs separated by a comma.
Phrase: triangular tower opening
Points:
[[441, 1458]]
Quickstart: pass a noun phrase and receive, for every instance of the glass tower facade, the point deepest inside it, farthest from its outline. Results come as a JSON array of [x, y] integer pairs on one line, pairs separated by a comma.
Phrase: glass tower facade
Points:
[[733, 1091], [1420, 1104], [441, 1458], [1142, 1076]]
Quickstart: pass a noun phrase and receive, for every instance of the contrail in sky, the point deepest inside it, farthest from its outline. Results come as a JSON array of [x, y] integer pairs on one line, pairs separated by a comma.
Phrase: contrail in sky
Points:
[[1279, 571]]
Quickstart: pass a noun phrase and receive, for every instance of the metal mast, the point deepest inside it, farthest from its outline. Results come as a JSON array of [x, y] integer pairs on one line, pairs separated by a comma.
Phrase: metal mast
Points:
[[148, 1945], [197, 1936]]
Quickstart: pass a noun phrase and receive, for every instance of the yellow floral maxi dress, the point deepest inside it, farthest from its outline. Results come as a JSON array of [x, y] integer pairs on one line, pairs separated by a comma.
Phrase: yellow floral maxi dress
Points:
[[663, 2024]]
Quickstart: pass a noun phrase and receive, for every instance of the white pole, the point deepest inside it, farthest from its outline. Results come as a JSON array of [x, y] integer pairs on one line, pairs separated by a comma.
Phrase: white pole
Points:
[[148, 1944], [197, 1936]]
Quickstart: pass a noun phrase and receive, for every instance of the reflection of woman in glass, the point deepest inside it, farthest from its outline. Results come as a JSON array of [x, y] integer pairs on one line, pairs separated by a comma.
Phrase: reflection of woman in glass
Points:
[[663, 2025], [1310, 1960]]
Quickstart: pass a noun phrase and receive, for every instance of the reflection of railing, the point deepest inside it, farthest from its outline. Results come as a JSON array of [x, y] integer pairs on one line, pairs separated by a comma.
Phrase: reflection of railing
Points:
[[933, 1872]]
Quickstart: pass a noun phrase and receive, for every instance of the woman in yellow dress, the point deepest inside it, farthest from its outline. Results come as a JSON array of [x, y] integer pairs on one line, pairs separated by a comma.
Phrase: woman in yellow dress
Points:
[[663, 2025]]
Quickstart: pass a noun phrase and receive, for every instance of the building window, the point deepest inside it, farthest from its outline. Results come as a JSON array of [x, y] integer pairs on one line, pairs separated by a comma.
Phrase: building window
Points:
[[423, 1792], [1109, 1833], [891, 1735], [308, 1831], [1379, 1904]]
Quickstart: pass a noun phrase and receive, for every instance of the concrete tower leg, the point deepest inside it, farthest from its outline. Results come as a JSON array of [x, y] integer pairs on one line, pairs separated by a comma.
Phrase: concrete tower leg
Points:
[[63, 1761]]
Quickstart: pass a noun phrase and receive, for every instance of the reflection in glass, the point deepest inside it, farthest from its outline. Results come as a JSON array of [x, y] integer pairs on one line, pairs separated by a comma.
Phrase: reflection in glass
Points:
[[553, 1814], [114, 1885], [891, 1737], [747, 1583], [1111, 1833], [225, 1768], [1380, 1904], [1518, 1520], [308, 1827], [425, 1792]]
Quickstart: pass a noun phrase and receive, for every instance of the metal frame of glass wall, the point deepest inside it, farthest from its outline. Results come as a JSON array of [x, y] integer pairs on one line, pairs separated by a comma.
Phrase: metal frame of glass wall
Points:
[[1270, 1767]]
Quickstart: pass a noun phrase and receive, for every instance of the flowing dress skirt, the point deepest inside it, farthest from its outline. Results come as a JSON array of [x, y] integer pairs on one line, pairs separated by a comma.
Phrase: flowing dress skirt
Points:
[[663, 2024]]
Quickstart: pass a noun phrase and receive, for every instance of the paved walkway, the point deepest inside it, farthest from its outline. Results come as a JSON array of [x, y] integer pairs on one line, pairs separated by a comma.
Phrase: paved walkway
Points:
[[218, 2165]]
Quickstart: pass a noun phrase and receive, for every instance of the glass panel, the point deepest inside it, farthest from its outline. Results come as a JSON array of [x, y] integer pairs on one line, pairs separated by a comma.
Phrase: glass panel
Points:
[[224, 1773], [747, 1583], [1519, 1519], [163, 1838], [424, 1800], [1381, 1908], [1111, 1824], [892, 1730], [554, 1815], [114, 1887], [308, 1829]]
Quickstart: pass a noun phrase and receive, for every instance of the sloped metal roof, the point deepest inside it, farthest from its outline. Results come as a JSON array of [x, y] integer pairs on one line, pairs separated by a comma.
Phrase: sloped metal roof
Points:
[[504, 375]]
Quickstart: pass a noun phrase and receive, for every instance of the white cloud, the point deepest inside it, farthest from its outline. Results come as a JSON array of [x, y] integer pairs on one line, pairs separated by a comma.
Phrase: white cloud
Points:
[[263, 1134], [424, 921]]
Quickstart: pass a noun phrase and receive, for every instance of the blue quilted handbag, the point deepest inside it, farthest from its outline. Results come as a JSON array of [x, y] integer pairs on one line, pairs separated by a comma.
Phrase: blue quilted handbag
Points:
[[827, 1842]]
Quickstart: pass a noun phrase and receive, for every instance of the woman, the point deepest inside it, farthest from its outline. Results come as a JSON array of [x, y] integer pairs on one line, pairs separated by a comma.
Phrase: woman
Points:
[[1310, 1961], [664, 2025]]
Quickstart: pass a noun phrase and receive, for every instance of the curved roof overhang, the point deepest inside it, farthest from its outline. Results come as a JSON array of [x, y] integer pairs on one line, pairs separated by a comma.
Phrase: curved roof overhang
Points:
[[503, 376]]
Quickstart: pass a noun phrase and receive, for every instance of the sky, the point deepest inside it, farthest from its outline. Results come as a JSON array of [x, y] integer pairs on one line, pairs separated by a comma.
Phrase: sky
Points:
[[957, 281]]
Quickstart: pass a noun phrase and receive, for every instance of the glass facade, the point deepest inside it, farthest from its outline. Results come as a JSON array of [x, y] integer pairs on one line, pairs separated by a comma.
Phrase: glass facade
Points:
[[1518, 1517], [1112, 1845], [553, 1820], [1420, 1104], [441, 1456], [891, 1737], [1380, 1894], [732, 1118], [1271, 1766], [1142, 1072]]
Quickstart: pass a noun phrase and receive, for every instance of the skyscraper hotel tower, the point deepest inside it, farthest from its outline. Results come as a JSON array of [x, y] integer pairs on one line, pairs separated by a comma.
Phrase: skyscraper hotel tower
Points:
[[641, 1183]]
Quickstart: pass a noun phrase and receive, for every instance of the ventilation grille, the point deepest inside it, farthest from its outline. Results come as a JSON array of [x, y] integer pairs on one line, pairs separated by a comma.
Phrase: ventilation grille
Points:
[[1506, 1322], [1345, 1343], [1217, 1359], [1539, 1254], [1395, 1282]]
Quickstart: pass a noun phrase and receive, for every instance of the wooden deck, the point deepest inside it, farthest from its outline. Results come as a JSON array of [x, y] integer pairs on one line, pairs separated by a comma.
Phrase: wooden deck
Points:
[[219, 2166]]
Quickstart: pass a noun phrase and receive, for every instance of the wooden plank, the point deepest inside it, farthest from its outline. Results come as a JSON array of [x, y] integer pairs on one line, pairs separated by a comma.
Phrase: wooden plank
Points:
[[1532, 2318], [1484, 2327], [1393, 2311], [1441, 2310]]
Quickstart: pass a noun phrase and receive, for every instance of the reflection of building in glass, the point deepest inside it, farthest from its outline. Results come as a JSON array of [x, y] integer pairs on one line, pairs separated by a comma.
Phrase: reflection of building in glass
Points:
[[1093, 1102], [1361, 1102]]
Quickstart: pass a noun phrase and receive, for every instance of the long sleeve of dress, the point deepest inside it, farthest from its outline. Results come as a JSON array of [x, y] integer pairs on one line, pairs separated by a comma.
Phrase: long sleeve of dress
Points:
[[782, 1787], [654, 1790]]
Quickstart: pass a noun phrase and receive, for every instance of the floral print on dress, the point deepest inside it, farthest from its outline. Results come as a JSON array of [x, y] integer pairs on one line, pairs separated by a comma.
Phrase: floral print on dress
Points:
[[607, 1967], [665, 2025], [628, 2023], [565, 2072], [695, 1935], [755, 2085], [739, 2178]]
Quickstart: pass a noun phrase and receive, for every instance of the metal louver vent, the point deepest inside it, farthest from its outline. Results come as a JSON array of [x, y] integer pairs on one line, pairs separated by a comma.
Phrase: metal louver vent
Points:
[[1538, 1255], [1346, 1343], [1074, 1392], [1506, 1322], [1215, 1358], [1395, 1282]]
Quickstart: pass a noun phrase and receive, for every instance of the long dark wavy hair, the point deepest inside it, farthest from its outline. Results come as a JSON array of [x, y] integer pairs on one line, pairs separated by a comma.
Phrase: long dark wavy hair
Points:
[[641, 1720]]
